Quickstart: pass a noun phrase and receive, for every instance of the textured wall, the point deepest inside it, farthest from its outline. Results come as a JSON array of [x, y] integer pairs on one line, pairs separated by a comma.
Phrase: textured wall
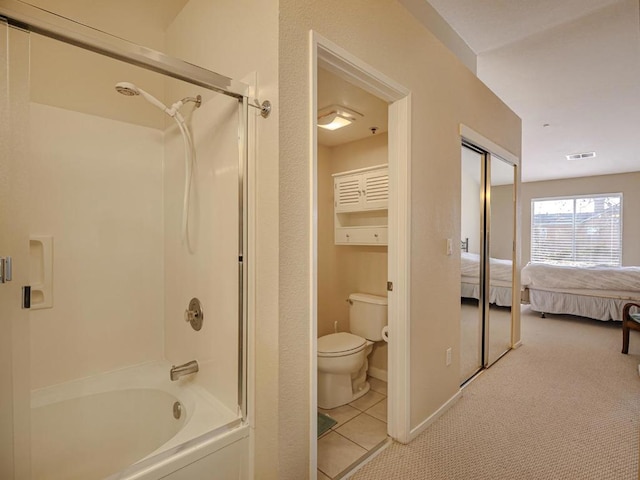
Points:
[[345, 269], [444, 94]]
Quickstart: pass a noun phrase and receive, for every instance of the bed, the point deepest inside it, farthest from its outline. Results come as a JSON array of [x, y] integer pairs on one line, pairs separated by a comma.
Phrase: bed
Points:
[[501, 276], [593, 292]]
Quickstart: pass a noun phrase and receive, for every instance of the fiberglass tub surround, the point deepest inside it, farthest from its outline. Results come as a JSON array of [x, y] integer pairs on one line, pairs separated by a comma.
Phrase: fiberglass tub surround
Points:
[[138, 221]]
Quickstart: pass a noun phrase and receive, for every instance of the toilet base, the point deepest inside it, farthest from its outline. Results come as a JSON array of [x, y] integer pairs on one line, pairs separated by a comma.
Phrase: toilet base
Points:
[[365, 389], [333, 396], [337, 389]]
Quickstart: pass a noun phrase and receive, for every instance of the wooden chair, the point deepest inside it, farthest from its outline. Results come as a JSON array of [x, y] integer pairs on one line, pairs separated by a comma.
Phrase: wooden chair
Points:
[[628, 324]]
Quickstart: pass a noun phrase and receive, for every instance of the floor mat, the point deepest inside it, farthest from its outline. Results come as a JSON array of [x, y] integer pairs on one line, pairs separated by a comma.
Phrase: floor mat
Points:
[[325, 422]]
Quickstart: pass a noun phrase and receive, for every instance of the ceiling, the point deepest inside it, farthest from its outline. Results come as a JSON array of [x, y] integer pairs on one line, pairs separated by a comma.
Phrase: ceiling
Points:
[[569, 68], [333, 90]]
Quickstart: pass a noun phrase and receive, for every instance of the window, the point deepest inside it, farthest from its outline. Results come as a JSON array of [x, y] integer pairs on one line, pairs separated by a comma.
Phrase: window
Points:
[[585, 230]]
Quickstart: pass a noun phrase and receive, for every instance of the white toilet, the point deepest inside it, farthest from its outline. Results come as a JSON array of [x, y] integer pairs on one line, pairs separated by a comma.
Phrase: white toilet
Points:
[[342, 357]]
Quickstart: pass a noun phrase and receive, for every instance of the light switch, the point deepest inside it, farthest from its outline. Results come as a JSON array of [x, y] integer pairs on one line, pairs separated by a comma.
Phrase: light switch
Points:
[[449, 246]]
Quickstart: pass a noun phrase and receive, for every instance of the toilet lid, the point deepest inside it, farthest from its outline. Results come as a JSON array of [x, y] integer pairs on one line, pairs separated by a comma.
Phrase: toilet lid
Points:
[[339, 344]]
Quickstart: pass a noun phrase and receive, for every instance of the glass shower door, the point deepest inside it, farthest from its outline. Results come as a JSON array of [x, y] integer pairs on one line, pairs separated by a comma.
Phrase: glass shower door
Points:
[[14, 240]]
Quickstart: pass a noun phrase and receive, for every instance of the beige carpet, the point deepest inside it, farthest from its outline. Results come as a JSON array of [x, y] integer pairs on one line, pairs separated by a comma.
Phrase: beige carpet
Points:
[[565, 405]]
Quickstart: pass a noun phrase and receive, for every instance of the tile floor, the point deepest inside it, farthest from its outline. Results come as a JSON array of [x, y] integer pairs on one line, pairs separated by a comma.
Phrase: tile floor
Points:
[[362, 425]]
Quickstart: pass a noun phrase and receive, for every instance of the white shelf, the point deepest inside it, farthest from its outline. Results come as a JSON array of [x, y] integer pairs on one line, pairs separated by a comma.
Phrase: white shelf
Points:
[[361, 199]]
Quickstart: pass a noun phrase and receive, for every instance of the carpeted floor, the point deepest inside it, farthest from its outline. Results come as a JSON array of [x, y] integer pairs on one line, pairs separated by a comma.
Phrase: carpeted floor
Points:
[[565, 405]]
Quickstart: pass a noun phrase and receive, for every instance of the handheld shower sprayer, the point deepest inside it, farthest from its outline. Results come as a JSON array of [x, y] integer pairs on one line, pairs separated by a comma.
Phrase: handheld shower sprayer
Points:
[[129, 89]]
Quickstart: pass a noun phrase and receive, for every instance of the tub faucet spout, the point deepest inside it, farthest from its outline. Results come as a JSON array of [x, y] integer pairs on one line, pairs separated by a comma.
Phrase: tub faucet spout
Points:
[[179, 371]]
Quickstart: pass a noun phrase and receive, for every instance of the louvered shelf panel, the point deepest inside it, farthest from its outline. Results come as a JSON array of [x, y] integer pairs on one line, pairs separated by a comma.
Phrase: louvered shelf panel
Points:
[[361, 199]]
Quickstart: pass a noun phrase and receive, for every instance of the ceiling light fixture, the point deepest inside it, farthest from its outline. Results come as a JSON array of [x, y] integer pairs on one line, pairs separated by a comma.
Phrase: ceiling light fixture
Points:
[[581, 156], [336, 116]]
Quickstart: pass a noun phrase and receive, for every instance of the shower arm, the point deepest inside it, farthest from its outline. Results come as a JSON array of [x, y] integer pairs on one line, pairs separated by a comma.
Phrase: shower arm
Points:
[[264, 107]]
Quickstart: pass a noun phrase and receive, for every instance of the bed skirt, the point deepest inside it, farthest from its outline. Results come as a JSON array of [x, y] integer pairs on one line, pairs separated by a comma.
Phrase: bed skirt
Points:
[[498, 295], [590, 306]]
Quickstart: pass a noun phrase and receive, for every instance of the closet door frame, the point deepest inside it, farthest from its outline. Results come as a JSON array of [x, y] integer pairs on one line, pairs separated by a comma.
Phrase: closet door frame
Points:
[[488, 149]]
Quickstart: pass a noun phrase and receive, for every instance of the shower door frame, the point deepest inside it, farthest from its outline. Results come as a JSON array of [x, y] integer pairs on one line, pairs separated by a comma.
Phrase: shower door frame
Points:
[[35, 20]]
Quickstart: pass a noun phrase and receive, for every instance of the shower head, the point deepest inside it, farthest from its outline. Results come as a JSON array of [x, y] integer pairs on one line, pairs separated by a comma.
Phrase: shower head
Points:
[[130, 90], [126, 88]]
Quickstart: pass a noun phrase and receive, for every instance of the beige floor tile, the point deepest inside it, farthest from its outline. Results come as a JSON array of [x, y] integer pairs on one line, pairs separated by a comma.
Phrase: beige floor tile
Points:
[[322, 476], [341, 414], [367, 401], [335, 453], [377, 385], [379, 410], [364, 430]]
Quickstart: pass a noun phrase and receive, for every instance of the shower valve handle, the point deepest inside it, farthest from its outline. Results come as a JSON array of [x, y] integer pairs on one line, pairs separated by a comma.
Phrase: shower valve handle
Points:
[[190, 315], [194, 315]]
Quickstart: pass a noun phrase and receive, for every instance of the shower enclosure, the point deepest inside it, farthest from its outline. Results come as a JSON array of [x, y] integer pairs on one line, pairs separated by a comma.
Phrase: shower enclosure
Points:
[[117, 224]]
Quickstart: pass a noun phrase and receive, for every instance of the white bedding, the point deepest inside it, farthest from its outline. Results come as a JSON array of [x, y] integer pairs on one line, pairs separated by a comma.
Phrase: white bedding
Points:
[[501, 277], [499, 269], [556, 277]]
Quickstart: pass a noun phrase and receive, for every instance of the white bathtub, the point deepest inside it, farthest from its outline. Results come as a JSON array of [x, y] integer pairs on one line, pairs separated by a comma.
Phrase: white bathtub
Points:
[[121, 425]]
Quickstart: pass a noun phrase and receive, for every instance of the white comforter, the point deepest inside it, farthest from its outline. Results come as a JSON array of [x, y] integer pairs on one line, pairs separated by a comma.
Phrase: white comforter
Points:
[[536, 275], [499, 269]]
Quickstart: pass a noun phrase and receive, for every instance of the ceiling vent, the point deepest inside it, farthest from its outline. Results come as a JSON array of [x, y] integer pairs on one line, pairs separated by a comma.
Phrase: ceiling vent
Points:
[[581, 156]]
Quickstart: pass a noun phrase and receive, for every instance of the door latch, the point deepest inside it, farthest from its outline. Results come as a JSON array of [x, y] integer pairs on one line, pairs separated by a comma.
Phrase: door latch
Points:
[[5, 269]]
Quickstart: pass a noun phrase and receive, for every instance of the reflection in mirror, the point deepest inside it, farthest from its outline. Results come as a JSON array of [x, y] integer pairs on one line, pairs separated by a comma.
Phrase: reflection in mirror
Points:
[[471, 353], [501, 252]]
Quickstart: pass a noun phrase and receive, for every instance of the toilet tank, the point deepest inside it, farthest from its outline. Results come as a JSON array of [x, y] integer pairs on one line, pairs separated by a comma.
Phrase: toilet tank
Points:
[[367, 315]]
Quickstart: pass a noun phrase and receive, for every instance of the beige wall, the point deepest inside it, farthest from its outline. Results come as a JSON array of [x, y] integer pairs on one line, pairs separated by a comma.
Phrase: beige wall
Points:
[[444, 94], [344, 269], [430, 17], [625, 183]]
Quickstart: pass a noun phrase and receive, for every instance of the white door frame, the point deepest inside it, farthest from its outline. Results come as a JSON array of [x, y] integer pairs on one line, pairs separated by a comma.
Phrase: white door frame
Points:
[[330, 56]]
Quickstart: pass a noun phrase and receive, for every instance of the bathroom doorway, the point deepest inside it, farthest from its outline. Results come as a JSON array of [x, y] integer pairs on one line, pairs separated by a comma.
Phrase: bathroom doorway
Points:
[[360, 253]]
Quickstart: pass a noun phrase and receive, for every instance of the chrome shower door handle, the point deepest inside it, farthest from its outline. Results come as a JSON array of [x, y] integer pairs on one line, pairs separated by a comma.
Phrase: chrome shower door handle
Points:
[[5, 269]]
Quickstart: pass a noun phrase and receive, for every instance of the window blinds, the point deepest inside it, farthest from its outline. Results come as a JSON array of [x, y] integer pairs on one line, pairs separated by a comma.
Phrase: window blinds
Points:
[[584, 231]]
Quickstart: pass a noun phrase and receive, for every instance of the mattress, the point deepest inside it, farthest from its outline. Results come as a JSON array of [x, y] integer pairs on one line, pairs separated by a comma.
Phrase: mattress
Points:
[[563, 278], [499, 269]]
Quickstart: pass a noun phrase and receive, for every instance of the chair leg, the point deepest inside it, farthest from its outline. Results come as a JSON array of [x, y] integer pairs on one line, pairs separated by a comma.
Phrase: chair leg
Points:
[[625, 338]]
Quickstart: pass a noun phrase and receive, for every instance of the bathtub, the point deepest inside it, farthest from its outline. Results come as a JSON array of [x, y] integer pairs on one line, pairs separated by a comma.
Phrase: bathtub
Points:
[[132, 424]]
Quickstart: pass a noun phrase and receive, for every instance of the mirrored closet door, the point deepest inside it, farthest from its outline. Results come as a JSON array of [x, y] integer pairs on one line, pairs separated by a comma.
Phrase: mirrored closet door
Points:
[[500, 238], [487, 251], [471, 325]]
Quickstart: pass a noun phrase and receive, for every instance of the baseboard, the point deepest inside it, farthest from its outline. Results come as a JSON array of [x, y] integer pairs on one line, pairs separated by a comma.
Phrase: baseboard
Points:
[[433, 417], [377, 373]]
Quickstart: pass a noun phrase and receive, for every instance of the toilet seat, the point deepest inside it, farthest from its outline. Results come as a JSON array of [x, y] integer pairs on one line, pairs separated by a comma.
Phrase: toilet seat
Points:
[[340, 344]]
